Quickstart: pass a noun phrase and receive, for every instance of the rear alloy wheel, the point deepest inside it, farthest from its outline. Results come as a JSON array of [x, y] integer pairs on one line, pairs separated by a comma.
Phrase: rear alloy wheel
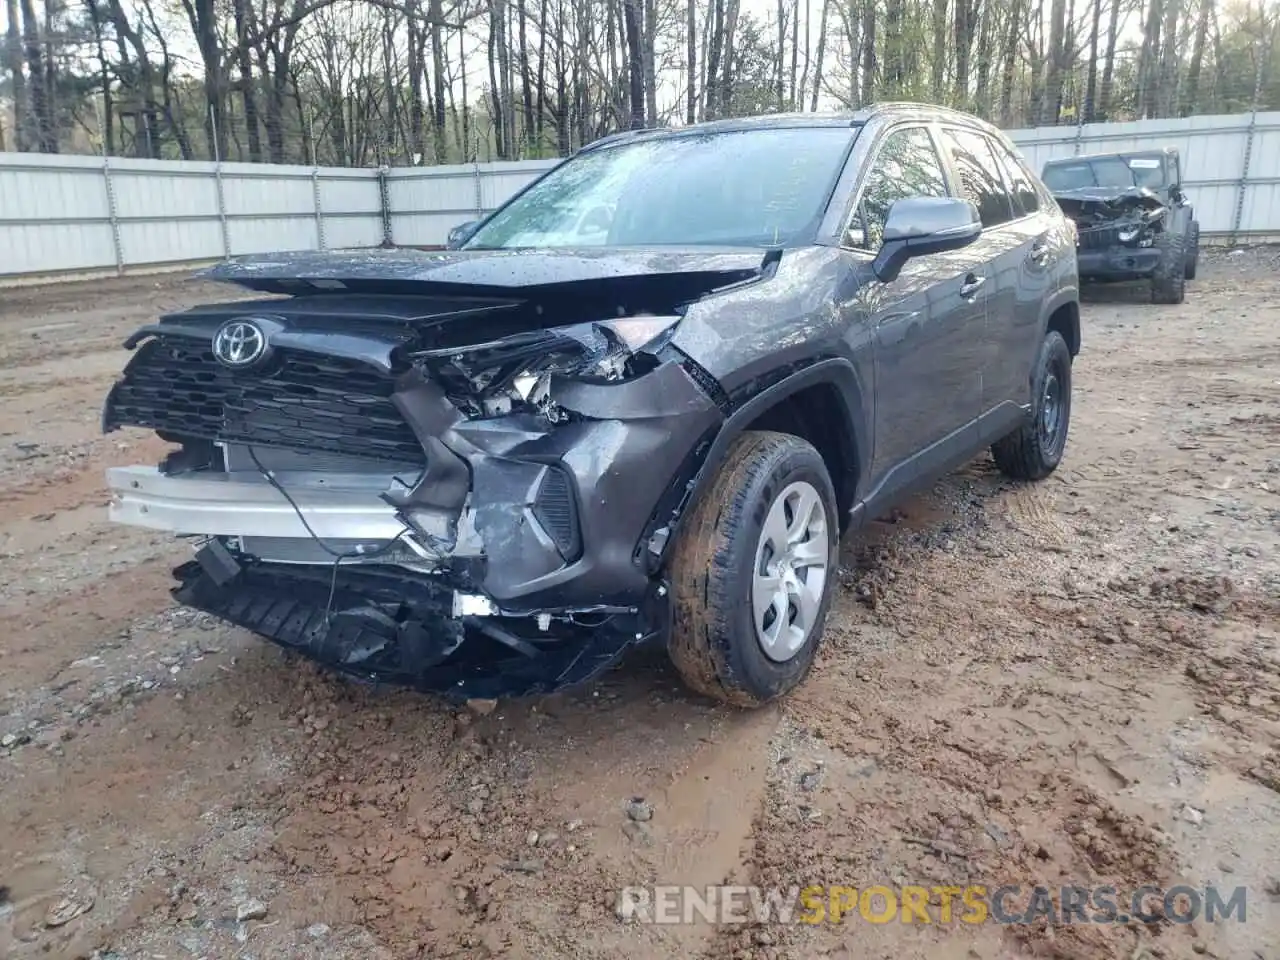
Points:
[[752, 571], [1035, 449]]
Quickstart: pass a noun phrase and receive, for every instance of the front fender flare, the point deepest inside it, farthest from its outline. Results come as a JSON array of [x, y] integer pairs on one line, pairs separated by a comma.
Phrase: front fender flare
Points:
[[853, 425], [1062, 297]]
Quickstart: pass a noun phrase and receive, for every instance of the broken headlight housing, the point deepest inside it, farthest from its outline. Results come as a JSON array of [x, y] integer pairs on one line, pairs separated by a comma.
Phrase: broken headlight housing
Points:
[[1140, 229], [1131, 232], [492, 378]]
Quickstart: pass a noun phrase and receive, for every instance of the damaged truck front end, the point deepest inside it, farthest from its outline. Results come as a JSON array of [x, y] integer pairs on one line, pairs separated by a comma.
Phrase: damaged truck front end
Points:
[[463, 485], [1132, 219], [1118, 235]]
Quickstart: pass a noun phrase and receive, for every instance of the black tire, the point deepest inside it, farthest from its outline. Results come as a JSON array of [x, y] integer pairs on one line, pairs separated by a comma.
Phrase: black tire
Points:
[[714, 642], [1193, 251], [1169, 282], [1034, 450]]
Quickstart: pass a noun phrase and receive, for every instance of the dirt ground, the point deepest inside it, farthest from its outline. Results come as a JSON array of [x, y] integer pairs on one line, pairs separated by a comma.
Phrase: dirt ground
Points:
[[1076, 682]]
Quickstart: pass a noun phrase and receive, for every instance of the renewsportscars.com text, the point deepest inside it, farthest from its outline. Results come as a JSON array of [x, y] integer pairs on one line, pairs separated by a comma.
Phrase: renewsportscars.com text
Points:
[[970, 904]]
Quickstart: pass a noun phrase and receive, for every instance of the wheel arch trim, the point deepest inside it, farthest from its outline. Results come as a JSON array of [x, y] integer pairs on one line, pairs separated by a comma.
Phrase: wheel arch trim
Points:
[[1066, 296], [835, 372]]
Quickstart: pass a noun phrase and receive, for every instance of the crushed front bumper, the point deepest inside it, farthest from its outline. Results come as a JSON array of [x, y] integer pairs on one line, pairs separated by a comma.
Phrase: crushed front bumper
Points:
[[1117, 263], [393, 608], [377, 624], [523, 559]]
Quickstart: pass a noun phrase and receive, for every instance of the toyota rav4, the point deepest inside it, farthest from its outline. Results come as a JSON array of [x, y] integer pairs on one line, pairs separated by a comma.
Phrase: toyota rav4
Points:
[[640, 401]]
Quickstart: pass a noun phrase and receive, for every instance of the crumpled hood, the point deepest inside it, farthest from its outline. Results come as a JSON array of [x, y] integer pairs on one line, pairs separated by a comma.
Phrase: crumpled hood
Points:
[[1107, 203], [1113, 194], [492, 272]]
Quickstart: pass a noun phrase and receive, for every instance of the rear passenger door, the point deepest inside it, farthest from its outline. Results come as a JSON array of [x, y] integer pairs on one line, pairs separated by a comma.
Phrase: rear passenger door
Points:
[[1014, 346], [1009, 242]]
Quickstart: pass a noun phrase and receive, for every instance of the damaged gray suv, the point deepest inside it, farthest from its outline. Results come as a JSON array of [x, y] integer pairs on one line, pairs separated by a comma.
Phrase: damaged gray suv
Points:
[[640, 401]]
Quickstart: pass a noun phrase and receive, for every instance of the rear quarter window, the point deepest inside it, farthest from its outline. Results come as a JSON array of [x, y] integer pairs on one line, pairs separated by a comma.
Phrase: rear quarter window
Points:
[[1022, 189], [980, 177]]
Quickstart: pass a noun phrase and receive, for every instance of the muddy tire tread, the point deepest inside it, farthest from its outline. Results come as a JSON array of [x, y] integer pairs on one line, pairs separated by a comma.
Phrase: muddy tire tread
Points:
[[1019, 455], [702, 569], [1169, 282], [1193, 252]]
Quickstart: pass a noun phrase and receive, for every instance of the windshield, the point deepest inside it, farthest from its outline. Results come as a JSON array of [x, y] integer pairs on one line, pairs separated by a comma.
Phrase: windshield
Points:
[[751, 187], [1120, 171]]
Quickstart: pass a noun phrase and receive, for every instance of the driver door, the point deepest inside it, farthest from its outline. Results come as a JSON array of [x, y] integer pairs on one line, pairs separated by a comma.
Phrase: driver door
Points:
[[927, 324]]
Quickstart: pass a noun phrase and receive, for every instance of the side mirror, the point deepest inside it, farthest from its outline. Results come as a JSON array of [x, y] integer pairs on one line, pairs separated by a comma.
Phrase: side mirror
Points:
[[917, 226], [1176, 194], [461, 234]]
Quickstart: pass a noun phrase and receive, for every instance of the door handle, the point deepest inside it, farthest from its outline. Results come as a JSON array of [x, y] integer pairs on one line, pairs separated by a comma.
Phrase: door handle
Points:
[[971, 285], [1040, 251]]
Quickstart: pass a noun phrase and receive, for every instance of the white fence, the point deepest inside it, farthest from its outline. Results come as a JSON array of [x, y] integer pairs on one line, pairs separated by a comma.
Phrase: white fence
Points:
[[67, 215], [1230, 164]]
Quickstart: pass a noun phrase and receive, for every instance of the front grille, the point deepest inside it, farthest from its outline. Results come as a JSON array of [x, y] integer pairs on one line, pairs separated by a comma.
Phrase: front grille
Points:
[[553, 508], [301, 402], [1099, 238]]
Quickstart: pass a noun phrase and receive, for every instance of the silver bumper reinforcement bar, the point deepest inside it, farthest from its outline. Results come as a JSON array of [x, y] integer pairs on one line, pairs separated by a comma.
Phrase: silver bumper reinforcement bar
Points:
[[228, 506], [224, 505]]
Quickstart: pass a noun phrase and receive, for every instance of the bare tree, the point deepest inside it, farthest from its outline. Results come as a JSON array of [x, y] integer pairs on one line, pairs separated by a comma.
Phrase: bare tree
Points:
[[40, 129], [938, 61], [1191, 94], [1052, 100], [1109, 63], [822, 46], [868, 59], [1008, 62], [691, 61], [964, 24], [1167, 79], [17, 77], [1149, 59]]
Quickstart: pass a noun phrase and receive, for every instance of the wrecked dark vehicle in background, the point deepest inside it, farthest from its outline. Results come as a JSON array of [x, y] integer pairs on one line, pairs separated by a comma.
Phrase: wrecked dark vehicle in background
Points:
[[641, 401], [1133, 220]]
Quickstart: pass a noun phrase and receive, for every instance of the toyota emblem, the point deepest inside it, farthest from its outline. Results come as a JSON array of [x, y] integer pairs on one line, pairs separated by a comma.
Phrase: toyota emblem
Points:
[[239, 343]]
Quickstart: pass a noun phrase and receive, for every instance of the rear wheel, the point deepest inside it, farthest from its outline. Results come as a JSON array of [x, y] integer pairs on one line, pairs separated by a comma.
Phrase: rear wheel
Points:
[[1193, 251], [1035, 449], [1169, 282], [753, 570]]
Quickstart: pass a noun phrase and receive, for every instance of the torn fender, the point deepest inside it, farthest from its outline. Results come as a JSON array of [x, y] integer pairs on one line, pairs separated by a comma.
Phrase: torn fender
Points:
[[555, 511]]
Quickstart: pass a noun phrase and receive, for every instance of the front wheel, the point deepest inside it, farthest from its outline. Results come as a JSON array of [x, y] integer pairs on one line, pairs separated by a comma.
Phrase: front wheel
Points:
[[1035, 449], [1193, 251], [753, 571], [1169, 282]]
